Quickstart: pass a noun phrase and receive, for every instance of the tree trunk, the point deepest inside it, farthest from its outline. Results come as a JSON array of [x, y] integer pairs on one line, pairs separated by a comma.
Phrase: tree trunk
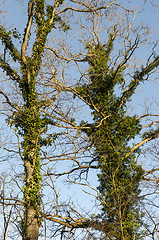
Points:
[[31, 125], [31, 225]]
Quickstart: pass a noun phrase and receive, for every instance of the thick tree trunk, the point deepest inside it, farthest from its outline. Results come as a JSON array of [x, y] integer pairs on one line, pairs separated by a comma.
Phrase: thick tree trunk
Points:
[[31, 226], [32, 230]]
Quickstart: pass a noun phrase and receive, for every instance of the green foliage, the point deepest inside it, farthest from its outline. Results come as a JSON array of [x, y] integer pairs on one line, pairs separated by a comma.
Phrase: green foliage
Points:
[[15, 33], [110, 133], [152, 133], [27, 121], [7, 41], [45, 23]]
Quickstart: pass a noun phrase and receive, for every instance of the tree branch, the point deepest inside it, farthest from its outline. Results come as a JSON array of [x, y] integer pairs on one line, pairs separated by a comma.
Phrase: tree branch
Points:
[[6, 40], [27, 30], [8, 101], [9, 71]]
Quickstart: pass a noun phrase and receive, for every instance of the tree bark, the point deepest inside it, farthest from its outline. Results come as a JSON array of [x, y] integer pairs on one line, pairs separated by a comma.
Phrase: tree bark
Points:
[[31, 229], [32, 224]]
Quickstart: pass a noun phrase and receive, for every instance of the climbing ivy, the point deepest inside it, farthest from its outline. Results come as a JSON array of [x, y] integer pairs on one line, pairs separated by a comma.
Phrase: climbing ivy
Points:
[[110, 134], [27, 120]]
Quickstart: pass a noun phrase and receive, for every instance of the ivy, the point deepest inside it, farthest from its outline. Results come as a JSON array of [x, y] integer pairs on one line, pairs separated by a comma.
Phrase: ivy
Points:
[[119, 177], [7, 41], [28, 121]]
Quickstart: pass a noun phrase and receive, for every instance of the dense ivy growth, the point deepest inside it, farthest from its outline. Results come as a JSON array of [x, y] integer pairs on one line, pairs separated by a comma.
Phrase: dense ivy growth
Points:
[[110, 134]]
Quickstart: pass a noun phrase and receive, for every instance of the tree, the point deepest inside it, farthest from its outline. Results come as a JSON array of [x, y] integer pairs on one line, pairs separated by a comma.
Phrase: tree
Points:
[[110, 134], [41, 112], [27, 119]]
